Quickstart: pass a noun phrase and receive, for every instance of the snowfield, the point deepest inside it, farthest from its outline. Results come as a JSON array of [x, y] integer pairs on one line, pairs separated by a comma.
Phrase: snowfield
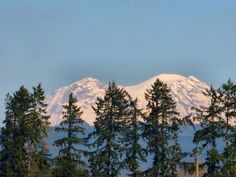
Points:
[[186, 91]]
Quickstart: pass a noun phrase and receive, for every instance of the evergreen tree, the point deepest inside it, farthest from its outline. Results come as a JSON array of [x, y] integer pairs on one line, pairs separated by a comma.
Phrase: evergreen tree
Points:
[[111, 111], [40, 121], [161, 129], [212, 126], [8, 154], [14, 134], [228, 158], [41, 166], [228, 104], [21, 132], [69, 162], [134, 151], [38, 124], [228, 99], [175, 151]]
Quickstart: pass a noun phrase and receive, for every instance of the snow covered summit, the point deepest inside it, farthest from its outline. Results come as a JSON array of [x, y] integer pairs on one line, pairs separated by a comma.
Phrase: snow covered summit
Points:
[[186, 91]]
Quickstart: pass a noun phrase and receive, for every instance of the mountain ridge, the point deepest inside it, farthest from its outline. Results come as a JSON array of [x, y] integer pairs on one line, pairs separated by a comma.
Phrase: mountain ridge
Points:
[[186, 91]]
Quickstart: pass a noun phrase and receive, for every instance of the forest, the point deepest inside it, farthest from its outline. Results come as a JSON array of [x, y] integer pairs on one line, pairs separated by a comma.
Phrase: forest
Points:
[[119, 127]]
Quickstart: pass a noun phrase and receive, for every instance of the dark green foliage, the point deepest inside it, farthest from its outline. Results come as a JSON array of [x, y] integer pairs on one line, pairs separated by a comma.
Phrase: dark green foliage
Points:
[[217, 123], [228, 98], [228, 104], [25, 127], [41, 166], [212, 126], [69, 163], [38, 124], [40, 118], [111, 113], [134, 152], [115, 141], [13, 154], [228, 160], [161, 128]]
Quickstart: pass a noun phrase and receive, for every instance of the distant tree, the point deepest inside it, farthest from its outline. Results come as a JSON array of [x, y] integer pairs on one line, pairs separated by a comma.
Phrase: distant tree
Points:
[[134, 151], [69, 162], [111, 112], [212, 130], [161, 128]]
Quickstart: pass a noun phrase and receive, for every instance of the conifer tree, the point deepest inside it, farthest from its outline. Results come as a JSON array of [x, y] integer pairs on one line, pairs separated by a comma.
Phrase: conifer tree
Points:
[[8, 154], [41, 165], [111, 111], [38, 123], [161, 129], [228, 104], [175, 152], [69, 162], [134, 152], [15, 134], [212, 129], [22, 132], [228, 99]]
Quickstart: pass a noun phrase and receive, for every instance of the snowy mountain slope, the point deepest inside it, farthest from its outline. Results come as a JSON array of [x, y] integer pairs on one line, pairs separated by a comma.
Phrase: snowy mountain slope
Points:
[[186, 91], [86, 91]]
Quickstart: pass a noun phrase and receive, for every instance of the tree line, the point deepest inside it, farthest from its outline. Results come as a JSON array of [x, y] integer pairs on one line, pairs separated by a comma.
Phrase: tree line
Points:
[[115, 144]]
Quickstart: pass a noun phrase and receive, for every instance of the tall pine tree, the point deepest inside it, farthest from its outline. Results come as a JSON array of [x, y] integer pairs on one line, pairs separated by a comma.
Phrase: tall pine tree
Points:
[[15, 134], [38, 123], [134, 151], [212, 129], [161, 129], [23, 130], [111, 111], [228, 104], [69, 162]]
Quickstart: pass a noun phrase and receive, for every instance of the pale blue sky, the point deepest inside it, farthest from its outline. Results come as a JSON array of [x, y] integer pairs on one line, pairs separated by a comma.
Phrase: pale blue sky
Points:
[[58, 42]]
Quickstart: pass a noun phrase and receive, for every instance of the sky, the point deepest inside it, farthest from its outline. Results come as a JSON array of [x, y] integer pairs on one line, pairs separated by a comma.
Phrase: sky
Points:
[[58, 42]]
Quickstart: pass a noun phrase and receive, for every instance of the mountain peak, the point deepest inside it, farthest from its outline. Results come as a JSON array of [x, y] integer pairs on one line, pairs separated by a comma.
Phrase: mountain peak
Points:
[[87, 79], [170, 77], [88, 83], [186, 91]]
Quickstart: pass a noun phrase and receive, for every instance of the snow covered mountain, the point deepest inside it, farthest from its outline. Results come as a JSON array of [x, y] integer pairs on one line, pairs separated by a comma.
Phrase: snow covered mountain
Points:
[[186, 91]]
